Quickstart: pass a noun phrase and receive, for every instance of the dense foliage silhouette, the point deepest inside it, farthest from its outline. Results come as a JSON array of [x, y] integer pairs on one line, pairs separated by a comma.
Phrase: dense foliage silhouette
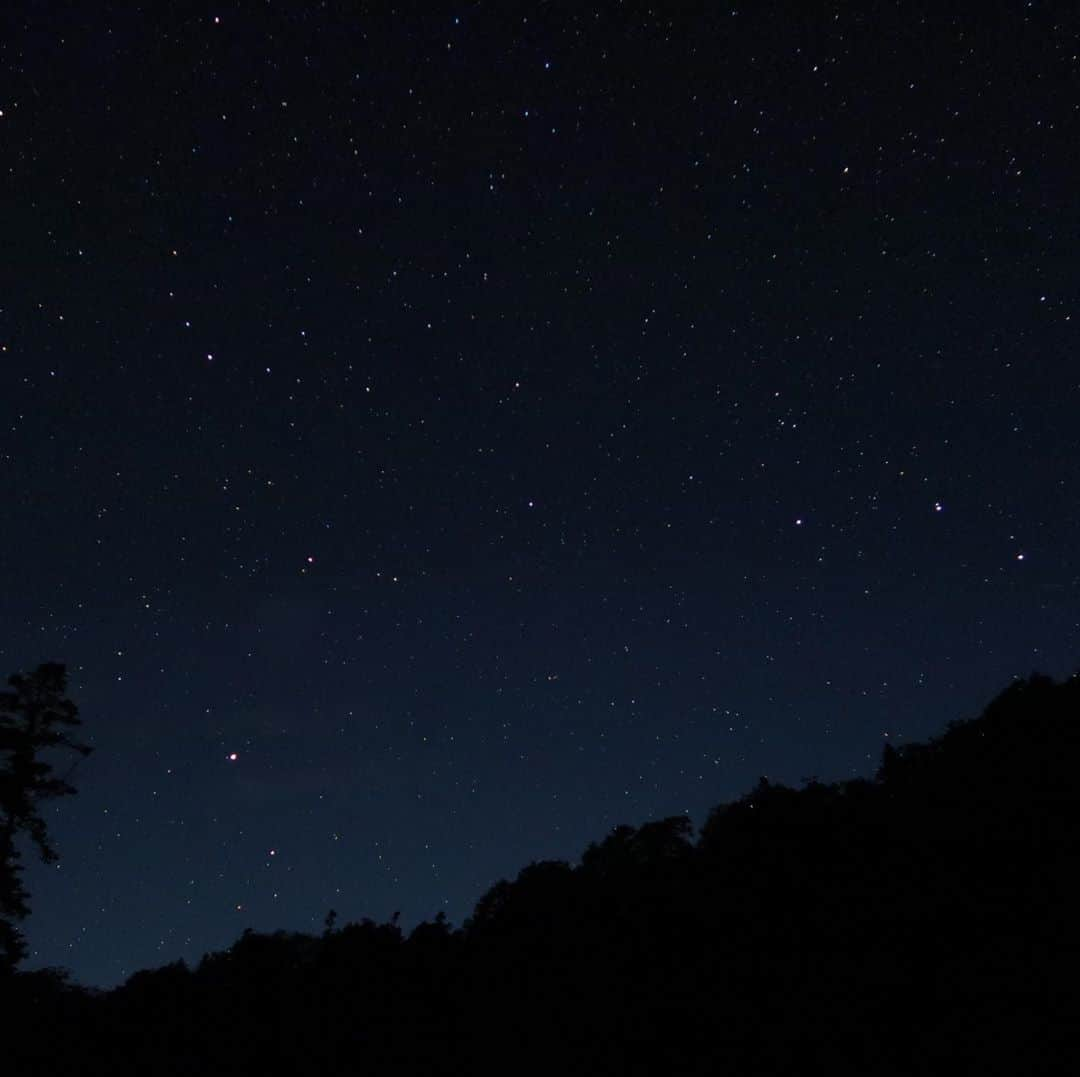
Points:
[[923, 921], [35, 717]]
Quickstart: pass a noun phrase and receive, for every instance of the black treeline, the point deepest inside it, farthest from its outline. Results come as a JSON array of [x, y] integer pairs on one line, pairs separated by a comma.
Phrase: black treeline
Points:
[[921, 922]]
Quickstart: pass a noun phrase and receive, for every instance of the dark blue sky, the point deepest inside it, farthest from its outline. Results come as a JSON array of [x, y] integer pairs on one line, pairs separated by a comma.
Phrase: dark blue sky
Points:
[[495, 429]]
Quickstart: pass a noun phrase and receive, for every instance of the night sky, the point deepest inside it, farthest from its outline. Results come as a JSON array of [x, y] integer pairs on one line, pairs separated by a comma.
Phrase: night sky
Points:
[[430, 442]]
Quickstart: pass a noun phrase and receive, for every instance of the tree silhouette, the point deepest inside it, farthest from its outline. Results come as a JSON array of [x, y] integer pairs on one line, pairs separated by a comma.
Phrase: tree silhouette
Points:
[[35, 717]]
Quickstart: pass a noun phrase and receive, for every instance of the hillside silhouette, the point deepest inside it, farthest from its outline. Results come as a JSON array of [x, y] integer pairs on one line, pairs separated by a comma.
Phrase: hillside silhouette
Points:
[[920, 921]]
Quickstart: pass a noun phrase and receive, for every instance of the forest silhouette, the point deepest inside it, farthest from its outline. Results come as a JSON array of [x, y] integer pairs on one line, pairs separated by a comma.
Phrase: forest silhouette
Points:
[[921, 921]]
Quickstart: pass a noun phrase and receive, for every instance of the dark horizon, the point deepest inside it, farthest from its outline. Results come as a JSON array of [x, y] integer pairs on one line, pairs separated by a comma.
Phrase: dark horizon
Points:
[[409, 920], [922, 920]]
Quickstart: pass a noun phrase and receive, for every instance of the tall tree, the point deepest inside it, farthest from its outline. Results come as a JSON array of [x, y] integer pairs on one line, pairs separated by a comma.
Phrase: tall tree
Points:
[[36, 717]]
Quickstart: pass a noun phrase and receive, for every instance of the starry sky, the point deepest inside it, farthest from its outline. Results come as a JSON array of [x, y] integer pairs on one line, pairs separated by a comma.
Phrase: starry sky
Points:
[[433, 441]]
